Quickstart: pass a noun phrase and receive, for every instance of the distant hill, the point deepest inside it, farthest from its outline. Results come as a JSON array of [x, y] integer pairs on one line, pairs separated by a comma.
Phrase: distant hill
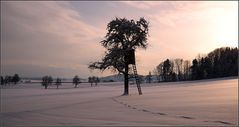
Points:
[[113, 78], [120, 78]]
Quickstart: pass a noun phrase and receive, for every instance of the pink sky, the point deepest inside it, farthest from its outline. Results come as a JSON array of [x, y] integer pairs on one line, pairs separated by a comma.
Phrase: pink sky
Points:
[[62, 38]]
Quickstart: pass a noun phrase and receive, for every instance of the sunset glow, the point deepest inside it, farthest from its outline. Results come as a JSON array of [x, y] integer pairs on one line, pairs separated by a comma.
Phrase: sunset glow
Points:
[[61, 38]]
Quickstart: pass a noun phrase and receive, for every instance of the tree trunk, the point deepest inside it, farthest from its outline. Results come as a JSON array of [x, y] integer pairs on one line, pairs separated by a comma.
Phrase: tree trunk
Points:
[[126, 80]]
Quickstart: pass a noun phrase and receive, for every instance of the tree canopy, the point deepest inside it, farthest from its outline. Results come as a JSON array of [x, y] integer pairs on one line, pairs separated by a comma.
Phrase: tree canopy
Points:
[[123, 35]]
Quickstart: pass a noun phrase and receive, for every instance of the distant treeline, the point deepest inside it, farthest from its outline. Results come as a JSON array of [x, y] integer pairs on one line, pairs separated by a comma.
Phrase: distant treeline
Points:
[[221, 62], [48, 80], [10, 79]]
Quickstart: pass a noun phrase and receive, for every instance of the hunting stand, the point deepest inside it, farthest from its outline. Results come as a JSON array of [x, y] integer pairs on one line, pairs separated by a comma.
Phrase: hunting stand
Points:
[[130, 59]]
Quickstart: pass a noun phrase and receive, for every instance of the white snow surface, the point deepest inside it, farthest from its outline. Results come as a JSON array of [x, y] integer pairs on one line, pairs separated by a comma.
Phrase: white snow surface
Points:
[[205, 102]]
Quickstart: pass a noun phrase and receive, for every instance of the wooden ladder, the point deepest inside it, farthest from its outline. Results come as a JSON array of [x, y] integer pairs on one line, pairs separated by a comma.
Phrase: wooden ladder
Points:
[[137, 79]]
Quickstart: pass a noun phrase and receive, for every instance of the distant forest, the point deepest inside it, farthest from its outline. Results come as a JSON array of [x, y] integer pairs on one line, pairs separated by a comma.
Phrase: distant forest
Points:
[[222, 62]]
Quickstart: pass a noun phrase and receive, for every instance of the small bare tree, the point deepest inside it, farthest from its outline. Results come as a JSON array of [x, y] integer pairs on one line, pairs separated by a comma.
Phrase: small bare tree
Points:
[[76, 81], [46, 81], [58, 82], [179, 68]]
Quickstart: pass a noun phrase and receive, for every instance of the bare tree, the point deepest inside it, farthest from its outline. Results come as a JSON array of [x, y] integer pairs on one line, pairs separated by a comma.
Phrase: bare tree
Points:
[[186, 69], [46, 81], [159, 71], [179, 68], [76, 81], [58, 82]]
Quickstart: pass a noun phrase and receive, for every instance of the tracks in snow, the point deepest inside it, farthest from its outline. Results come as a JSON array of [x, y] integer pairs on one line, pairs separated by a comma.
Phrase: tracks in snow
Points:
[[164, 114]]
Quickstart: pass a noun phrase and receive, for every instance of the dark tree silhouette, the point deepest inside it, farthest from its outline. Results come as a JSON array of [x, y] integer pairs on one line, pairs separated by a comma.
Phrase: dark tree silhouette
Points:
[[159, 72], [76, 81], [186, 70], [207, 66], [173, 70], [123, 36], [2, 81], [50, 80], [200, 71], [58, 82], [173, 76], [93, 79], [90, 80], [7, 80], [194, 69], [179, 68], [45, 81], [15, 79], [221, 62], [167, 70]]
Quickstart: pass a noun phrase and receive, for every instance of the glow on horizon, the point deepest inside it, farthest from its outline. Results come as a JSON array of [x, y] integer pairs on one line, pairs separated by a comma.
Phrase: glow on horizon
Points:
[[67, 34], [226, 34]]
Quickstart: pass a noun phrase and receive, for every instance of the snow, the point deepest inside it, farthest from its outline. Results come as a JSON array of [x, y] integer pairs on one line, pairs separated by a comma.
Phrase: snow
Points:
[[206, 102]]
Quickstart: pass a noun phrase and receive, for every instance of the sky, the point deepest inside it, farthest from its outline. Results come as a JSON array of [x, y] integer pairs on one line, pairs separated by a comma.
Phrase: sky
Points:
[[61, 38]]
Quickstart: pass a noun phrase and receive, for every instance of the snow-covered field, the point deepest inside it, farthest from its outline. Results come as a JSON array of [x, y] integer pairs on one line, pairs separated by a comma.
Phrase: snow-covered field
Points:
[[206, 102]]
